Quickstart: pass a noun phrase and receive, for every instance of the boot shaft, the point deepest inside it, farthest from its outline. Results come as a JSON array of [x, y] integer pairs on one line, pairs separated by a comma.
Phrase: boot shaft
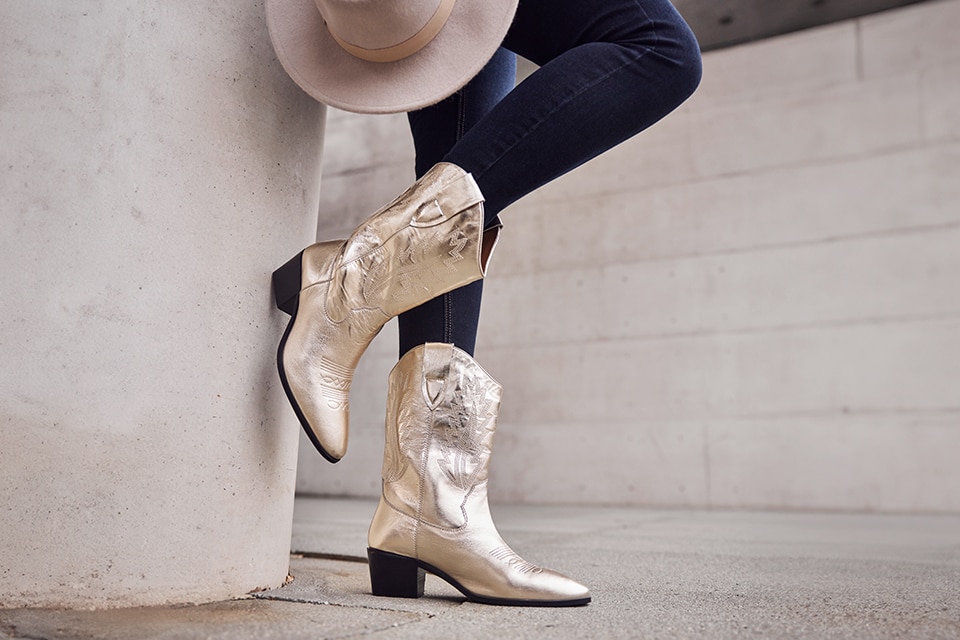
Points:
[[441, 418], [426, 242]]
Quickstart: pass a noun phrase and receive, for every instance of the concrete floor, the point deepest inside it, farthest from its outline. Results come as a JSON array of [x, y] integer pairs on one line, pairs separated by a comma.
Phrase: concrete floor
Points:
[[653, 573]]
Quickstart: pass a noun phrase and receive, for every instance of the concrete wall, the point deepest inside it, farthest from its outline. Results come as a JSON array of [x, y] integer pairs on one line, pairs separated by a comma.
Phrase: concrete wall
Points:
[[724, 23], [156, 165], [753, 304]]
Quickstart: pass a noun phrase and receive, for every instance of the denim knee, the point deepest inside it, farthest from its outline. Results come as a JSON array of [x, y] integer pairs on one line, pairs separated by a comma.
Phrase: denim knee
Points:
[[690, 69], [679, 44]]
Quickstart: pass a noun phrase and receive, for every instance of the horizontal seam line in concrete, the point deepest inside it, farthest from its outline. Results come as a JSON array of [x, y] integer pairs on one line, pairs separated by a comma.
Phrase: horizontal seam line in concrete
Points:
[[851, 413], [892, 232], [848, 323], [893, 150]]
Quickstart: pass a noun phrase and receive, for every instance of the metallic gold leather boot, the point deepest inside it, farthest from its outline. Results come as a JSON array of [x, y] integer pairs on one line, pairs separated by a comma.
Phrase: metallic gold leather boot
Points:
[[433, 514], [339, 294]]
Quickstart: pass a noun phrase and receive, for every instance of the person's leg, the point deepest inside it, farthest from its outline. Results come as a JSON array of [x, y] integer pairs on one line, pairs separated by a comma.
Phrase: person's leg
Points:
[[609, 69], [453, 317]]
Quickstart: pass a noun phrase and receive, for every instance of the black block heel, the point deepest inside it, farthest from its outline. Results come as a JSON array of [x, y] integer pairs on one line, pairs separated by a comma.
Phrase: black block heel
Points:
[[395, 576], [286, 284]]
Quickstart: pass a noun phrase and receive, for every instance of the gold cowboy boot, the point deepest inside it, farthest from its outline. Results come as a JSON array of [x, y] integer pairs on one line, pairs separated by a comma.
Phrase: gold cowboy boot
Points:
[[433, 514], [339, 294]]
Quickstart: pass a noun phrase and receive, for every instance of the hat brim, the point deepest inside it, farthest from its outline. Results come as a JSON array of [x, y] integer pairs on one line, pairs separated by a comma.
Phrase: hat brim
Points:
[[310, 55]]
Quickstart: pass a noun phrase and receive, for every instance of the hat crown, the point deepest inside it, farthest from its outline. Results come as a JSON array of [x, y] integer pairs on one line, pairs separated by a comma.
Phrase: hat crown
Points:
[[376, 24], [385, 56]]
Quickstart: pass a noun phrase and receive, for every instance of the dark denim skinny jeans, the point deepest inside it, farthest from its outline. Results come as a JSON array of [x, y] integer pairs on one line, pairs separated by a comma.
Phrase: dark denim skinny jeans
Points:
[[608, 70]]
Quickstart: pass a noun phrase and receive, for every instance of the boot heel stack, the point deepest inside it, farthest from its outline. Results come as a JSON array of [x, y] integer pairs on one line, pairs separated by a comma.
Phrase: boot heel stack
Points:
[[395, 576], [286, 284]]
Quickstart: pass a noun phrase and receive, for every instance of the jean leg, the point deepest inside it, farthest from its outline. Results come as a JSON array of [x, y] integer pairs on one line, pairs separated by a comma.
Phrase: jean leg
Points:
[[609, 69], [437, 128], [453, 317]]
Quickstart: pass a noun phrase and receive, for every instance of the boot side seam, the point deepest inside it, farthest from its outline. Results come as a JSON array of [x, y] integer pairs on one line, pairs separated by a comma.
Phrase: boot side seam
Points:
[[421, 482], [396, 508], [463, 511]]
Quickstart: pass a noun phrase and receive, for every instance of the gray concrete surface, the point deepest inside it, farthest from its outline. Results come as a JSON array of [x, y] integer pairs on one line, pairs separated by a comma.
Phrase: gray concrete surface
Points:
[[722, 23], [158, 164], [654, 574]]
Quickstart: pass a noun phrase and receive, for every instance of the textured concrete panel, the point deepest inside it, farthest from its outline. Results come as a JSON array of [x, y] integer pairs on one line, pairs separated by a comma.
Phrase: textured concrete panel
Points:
[[722, 23], [806, 61], [773, 288], [358, 136], [851, 462], [859, 462], [881, 366], [600, 462], [940, 93], [347, 199], [910, 38], [865, 118], [157, 165], [903, 190]]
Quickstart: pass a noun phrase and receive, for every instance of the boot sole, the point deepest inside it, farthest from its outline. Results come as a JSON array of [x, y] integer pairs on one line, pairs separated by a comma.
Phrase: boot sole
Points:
[[396, 576]]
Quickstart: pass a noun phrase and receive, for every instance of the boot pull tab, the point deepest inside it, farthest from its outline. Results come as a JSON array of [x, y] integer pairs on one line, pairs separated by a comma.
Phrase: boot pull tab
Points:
[[428, 214], [436, 370], [433, 391]]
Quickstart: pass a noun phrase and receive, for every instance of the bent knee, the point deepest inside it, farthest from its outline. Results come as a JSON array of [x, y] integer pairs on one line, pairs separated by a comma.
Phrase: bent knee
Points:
[[682, 48]]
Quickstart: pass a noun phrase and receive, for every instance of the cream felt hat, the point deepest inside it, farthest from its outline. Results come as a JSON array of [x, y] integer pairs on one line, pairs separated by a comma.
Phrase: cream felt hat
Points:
[[385, 56]]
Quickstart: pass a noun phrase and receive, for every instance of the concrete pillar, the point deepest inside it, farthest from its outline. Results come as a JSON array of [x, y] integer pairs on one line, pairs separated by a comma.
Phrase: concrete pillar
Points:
[[156, 165]]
